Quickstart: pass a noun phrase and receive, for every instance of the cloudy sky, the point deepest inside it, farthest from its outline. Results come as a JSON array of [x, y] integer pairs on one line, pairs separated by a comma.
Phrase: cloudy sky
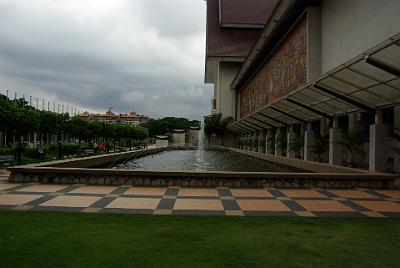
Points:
[[141, 55]]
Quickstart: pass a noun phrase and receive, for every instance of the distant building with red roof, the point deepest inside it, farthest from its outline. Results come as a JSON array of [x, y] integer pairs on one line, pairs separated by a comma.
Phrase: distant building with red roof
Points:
[[131, 119]]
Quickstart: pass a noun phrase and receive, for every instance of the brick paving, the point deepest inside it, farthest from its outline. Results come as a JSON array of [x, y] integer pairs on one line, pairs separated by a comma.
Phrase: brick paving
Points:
[[199, 201]]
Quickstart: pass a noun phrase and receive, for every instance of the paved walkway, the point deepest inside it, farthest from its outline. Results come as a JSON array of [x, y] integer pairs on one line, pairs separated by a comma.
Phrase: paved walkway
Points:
[[200, 201]]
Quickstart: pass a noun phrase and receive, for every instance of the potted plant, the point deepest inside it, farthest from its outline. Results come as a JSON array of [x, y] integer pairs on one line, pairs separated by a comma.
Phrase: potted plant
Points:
[[261, 145], [281, 144], [296, 145], [320, 147], [353, 141], [271, 143]]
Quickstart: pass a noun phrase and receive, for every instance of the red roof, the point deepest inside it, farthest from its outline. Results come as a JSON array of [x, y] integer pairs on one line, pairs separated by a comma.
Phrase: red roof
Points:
[[233, 26], [250, 12], [227, 42]]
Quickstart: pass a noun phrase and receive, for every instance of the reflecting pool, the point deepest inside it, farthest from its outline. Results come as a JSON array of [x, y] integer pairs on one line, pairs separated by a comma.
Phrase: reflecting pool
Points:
[[203, 160]]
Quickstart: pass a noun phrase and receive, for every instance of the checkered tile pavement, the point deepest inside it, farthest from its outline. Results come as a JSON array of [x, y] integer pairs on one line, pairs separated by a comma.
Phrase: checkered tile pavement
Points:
[[200, 201]]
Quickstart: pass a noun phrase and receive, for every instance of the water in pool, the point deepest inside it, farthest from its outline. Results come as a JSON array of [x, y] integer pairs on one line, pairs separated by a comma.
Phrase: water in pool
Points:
[[203, 160]]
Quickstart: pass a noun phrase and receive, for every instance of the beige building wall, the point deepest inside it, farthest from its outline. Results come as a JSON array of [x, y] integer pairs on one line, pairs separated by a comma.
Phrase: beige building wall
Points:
[[161, 143], [193, 137], [226, 95], [178, 138], [350, 27]]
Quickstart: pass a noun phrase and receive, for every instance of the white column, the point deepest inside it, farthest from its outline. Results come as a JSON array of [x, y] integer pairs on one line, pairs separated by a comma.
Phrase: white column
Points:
[[335, 149], [278, 151], [309, 139], [302, 133], [397, 143], [34, 139], [291, 136], [378, 134]]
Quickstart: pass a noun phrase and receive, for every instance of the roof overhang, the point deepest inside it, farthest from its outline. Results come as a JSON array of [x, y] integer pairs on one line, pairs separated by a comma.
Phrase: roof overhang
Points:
[[368, 82], [273, 23]]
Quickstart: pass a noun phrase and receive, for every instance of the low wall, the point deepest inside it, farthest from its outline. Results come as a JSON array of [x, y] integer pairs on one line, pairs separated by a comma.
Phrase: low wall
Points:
[[300, 163], [196, 179], [81, 171]]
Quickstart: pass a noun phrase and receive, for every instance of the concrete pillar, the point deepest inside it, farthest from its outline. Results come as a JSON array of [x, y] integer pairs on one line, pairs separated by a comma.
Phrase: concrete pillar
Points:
[[309, 141], [335, 149], [261, 142], [34, 139], [396, 166], [302, 131], [54, 139], [291, 136], [194, 136], [178, 137], [162, 141], [378, 134], [278, 151]]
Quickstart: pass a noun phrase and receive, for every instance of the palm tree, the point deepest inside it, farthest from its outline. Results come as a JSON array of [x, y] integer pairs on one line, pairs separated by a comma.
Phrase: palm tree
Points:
[[321, 147], [296, 145], [281, 144], [271, 142], [353, 141]]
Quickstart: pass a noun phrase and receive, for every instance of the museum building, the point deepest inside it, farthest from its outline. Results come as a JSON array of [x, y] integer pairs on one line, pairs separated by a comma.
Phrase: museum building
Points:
[[315, 80]]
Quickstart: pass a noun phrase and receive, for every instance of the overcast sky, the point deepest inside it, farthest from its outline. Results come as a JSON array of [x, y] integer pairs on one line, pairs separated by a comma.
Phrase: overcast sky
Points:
[[137, 55]]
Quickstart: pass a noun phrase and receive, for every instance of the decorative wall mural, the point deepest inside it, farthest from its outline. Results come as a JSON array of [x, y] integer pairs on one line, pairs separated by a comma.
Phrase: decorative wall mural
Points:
[[284, 71]]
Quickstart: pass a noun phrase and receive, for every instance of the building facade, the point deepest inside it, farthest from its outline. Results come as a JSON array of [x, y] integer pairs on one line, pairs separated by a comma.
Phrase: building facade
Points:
[[319, 73]]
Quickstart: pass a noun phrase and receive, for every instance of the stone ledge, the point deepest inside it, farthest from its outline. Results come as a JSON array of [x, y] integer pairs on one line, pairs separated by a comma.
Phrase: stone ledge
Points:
[[65, 171]]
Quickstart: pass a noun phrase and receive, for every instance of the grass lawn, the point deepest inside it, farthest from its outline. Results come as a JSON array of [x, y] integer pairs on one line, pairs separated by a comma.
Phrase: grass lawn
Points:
[[41, 239]]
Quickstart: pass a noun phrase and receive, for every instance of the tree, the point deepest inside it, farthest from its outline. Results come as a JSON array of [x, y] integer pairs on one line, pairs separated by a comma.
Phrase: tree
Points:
[[353, 141], [79, 129], [320, 147], [281, 143], [296, 145], [167, 124]]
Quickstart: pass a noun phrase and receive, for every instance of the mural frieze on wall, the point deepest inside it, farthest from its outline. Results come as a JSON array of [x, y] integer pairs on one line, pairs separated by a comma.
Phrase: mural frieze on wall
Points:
[[284, 71]]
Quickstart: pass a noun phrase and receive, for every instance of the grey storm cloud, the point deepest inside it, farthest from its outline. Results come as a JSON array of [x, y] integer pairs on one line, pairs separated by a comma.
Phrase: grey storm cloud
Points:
[[141, 55]]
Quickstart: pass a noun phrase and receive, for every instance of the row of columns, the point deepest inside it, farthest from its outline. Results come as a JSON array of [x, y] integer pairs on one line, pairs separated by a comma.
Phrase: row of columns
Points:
[[268, 141]]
